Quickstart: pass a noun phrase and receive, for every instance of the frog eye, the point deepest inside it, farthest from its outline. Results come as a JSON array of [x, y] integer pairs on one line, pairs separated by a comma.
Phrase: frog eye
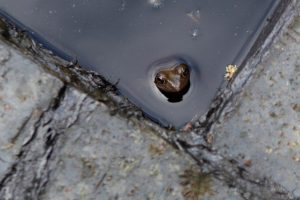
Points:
[[159, 79], [183, 70]]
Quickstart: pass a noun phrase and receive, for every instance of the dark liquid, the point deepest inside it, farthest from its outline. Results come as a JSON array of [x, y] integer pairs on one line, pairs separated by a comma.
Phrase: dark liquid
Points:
[[120, 39]]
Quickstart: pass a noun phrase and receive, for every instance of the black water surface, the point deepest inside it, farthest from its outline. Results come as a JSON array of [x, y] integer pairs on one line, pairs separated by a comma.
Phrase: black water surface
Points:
[[121, 39]]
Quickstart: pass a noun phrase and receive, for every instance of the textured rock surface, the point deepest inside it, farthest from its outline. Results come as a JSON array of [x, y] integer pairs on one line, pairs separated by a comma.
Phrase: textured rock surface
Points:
[[264, 131], [58, 143], [25, 91]]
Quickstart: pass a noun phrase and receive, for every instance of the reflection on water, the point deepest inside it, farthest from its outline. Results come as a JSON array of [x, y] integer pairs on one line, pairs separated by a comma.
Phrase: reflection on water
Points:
[[121, 39]]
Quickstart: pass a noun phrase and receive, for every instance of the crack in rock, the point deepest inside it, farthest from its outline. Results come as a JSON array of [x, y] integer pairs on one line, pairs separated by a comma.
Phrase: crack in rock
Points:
[[28, 176]]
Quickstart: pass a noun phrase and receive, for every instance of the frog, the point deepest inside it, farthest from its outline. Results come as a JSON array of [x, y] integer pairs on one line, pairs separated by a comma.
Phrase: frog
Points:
[[174, 79]]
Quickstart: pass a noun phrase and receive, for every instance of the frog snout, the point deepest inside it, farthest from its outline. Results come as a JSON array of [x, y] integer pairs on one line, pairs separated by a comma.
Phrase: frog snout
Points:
[[174, 81]]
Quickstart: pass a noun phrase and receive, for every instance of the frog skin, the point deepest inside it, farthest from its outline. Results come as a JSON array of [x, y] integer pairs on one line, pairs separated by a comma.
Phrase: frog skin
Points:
[[174, 79]]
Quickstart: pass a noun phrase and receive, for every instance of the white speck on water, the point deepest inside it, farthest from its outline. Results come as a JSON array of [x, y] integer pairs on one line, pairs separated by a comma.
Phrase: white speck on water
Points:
[[195, 33], [52, 12], [156, 3], [73, 5]]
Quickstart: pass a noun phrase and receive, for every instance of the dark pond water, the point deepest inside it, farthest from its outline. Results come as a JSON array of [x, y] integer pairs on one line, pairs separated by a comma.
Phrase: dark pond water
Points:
[[127, 40]]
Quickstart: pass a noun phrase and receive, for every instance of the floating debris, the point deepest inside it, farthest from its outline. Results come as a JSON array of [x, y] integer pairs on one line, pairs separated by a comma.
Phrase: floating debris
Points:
[[195, 33], [230, 71], [156, 3], [194, 15]]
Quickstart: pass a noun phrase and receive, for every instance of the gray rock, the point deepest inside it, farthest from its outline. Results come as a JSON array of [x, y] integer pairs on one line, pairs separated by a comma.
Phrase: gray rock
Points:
[[264, 130], [25, 91]]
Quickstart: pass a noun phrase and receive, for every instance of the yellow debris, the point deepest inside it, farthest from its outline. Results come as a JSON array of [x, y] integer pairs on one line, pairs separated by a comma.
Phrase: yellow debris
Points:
[[230, 71]]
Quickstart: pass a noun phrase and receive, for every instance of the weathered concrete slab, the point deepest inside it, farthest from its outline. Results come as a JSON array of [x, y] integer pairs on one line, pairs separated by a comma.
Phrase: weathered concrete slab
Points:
[[264, 132], [104, 157]]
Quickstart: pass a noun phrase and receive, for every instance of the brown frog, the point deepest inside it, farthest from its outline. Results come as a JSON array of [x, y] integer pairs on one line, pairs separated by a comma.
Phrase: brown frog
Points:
[[173, 80]]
